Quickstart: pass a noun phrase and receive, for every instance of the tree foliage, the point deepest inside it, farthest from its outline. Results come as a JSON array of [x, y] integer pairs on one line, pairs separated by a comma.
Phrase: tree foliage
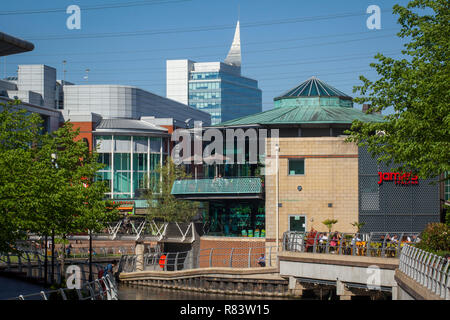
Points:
[[47, 181], [417, 87], [162, 205], [435, 238]]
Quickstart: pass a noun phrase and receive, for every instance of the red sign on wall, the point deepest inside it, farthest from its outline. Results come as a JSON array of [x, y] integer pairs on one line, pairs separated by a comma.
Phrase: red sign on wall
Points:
[[398, 177]]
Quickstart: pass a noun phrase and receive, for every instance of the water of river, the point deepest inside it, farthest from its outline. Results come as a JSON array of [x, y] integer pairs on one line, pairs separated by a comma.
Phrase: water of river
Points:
[[11, 287]]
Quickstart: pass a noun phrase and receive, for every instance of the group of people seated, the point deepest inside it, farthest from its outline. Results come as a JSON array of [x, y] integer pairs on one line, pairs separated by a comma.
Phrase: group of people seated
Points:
[[321, 241]]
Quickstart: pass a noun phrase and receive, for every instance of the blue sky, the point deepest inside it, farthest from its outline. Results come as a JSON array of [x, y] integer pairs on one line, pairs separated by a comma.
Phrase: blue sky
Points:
[[283, 42]]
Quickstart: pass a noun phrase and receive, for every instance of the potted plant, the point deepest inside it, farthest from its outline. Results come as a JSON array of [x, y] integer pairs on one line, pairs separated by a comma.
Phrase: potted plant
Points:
[[329, 223]]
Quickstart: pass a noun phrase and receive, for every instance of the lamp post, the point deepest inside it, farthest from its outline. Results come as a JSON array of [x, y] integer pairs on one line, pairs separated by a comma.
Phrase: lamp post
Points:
[[277, 150], [53, 230]]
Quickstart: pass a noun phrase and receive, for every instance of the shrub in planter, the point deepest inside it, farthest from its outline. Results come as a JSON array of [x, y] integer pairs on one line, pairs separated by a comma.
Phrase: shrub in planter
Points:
[[435, 237]]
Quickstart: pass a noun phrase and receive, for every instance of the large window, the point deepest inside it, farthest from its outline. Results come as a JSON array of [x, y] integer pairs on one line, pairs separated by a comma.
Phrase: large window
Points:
[[131, 163], [296, 167], [297, 223], [233, 219], [122, 173]]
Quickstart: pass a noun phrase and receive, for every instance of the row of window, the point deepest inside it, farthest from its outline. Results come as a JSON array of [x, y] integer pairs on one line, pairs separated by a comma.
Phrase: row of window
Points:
[[223, 76], [205, 95], [204, 85], [204, 76], [123, 144]]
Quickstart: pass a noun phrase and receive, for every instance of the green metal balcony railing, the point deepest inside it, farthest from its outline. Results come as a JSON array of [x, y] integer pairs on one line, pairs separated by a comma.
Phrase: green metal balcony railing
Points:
[[244, 185]]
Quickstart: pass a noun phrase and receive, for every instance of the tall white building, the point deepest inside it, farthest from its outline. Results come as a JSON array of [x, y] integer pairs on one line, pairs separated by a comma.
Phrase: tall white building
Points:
[[215, 87]]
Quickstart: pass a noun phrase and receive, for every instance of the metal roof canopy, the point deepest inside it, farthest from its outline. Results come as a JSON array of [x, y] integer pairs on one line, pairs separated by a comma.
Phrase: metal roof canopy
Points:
[[11, 45], [313, 87], [128, 126], [305, 115]]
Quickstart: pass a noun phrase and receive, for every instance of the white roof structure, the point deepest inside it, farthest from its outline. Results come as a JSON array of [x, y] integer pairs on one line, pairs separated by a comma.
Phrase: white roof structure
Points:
[[234, 55]]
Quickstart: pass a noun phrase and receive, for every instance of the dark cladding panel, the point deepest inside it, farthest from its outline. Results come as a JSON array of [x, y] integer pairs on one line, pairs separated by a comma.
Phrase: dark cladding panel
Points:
[[420, 222], [396, 199], [372, 223], [367, 164], [422, 200], [392, 207]]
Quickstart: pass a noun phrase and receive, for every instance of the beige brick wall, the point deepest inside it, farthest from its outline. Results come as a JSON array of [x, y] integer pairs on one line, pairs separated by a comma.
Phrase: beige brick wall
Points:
[[331, 176]]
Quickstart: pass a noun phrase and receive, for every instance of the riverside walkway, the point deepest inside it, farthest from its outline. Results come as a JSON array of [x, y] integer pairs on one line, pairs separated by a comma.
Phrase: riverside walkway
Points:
[[349, 265]]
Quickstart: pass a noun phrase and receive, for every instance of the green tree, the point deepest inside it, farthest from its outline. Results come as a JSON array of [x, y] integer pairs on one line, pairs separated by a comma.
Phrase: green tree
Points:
[[162, 205], [417, 133], [18, 134], [48, 182]]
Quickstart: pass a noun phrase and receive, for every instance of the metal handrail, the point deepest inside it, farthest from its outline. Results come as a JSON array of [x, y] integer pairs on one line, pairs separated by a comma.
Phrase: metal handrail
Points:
[[104, 288], [426, 268], [212, 257], [29, 261], [374, 244]]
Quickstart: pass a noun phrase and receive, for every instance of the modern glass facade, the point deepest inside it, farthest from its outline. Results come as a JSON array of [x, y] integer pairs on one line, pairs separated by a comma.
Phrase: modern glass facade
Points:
[[130, 162], [224, 96], [235, 219]]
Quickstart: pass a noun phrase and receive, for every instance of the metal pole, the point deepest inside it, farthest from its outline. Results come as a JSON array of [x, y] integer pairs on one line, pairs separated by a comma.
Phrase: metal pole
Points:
[[90, 256], [45, 260], [53, 257], [277, 149]]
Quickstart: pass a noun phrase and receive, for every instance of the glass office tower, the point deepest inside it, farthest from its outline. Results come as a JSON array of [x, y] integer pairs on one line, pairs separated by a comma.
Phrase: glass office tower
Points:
[[215, 87], [224, 96]]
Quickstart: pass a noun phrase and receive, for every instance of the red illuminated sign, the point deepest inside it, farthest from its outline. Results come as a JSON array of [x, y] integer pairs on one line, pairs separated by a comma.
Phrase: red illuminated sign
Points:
[[398, 178], [124, 202]]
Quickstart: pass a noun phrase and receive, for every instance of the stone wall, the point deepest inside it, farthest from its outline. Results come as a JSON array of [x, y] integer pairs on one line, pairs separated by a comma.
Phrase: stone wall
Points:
[[329, 184]]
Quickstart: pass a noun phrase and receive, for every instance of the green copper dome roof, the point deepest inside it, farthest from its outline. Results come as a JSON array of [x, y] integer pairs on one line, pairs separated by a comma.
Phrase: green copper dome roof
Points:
[[313, 87], [312, 102], [302, 115]]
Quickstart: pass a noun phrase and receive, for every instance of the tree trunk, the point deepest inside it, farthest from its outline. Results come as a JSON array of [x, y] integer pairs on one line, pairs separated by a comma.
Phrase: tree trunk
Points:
[[45, 260], [63, 273]]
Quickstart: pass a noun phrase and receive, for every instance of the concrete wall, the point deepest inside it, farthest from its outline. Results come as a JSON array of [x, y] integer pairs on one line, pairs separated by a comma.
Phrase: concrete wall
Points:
[[177, 78], [331, 176], [409, 289], [40, 79], [25, 96], [365, 271]]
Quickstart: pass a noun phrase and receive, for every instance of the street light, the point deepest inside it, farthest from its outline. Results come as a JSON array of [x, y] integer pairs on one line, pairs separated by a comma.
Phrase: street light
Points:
[[54, 157], [277, 150]]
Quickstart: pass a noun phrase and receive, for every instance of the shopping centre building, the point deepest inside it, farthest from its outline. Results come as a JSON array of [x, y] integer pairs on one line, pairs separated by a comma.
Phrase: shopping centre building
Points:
[[305, 174], [318, 175], [131, 129]]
